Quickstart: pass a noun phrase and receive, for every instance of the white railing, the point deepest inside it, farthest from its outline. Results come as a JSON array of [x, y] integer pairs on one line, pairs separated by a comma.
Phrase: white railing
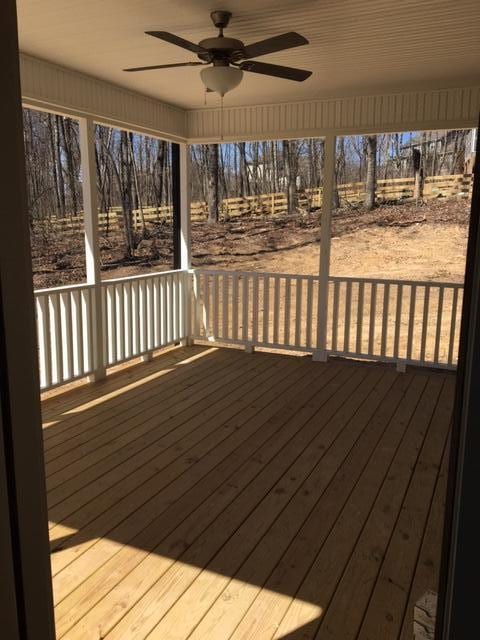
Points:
[[65, 333], [400, 321], [138, 315], [143, 313], [272, 310], [406, 322]]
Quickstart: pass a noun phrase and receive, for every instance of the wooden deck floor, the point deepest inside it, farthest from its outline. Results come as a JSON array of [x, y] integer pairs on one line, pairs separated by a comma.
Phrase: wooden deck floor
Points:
[[214, 494]]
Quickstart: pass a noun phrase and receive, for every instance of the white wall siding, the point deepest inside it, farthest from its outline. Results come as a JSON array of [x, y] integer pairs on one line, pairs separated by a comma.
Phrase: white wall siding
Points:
[[432, 109], [49, 86]]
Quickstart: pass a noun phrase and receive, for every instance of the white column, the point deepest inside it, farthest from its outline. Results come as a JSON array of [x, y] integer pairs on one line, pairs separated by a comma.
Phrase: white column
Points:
[[320, 353], [186, 237], [92, 247], [185, 198]]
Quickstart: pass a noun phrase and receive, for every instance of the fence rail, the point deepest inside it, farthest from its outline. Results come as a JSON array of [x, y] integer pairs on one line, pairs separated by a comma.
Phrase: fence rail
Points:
[[389, 320], [138, 315], [271, 204]]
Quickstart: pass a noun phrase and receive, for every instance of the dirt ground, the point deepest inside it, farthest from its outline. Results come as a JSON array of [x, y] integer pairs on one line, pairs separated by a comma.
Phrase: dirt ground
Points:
[[407, 241], [420, 252]]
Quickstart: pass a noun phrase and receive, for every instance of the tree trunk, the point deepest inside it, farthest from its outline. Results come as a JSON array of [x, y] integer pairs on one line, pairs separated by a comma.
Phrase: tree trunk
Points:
[[212, 183], [291, 167], [61, 181], [222, 180], [126, 194], [340, 164], [160, 173], [139, 205], [254, 155], [370, 184], [274, 166], [68, 135], [54, 164], [244, 182], [313, 163], [418, 174]]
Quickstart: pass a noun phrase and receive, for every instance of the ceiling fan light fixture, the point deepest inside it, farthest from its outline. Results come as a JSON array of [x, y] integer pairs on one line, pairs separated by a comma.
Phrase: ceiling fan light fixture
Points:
[[231, 57], [221, 79]]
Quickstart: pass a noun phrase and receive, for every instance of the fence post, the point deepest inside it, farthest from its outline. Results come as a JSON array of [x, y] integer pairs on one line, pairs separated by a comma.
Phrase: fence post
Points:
[[320, 353], [92, 247]]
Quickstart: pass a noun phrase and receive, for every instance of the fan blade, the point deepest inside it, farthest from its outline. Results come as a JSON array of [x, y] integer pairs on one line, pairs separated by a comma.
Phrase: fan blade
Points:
[[180, 42], [275, 70], [277, 43], [167, 66]]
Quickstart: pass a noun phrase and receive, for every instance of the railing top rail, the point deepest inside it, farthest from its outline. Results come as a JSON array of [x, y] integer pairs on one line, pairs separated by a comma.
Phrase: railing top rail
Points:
[[420, 283], [85, 285], [143, 276], [271, 274], [63, 289]]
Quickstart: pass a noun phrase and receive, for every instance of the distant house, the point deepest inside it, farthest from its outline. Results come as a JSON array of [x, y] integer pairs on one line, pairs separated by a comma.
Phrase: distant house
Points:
[[263, 171], [447, 151]]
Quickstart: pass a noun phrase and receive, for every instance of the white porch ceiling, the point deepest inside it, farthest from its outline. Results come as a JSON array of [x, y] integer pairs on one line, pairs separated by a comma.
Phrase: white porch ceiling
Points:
[[357, 47]]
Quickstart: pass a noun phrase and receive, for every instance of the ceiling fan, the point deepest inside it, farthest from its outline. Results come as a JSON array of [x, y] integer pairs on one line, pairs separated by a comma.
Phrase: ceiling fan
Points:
[[225, 59]]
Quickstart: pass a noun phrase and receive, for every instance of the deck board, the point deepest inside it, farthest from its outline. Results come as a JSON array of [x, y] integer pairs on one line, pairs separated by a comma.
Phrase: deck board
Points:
[[215, 494], [132, 434]]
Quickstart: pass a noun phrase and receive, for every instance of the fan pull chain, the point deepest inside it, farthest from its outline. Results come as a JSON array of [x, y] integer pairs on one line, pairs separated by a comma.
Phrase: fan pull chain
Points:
[[221, 118]]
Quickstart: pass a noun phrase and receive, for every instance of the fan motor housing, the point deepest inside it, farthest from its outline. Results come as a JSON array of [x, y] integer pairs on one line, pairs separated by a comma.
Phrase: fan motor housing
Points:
[[221, 47]]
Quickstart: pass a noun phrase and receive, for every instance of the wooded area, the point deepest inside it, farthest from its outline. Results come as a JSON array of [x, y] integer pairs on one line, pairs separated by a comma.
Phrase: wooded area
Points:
[[134, 171], [134, 180]]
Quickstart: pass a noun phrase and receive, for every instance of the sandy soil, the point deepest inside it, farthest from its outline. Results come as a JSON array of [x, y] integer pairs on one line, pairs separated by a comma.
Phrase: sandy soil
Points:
[[419, 252]]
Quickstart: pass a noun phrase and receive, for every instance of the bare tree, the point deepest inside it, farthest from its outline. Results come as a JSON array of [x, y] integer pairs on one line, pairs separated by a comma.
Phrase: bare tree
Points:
[[371, 179], [291, 169], [244, 181], [418, 173], [212, 183]]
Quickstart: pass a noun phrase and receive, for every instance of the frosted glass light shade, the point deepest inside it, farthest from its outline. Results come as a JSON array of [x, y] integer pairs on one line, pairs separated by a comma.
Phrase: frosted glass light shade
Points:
[[221, 79]]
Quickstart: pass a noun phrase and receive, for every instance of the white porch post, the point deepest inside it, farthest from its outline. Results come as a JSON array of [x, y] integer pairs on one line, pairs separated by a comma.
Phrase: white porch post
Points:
[[185, 197], [186, 237], [92, 247], [320, 354]]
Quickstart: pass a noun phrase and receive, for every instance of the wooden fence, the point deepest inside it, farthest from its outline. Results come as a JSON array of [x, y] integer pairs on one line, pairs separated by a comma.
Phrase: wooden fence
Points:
[[274, 204], [395, 189]]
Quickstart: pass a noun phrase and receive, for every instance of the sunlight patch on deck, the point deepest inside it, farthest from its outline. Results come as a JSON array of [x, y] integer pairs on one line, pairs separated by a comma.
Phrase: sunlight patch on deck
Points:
[[58, 531], [101, 399], [215, 604]]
